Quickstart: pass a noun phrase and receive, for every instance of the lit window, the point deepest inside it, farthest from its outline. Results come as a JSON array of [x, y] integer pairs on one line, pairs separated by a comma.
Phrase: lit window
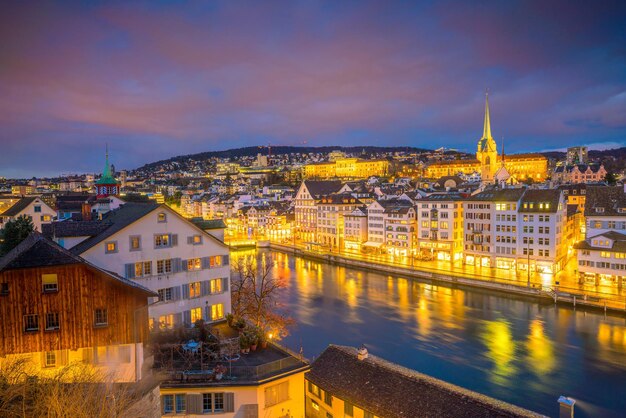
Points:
[[194, 264], [135, 242], [110, 247], [217, 312], [50, 358], [162, 240], [216, 286], [162, 217], [196, 314], [100, 317], [143, 268], [196, 239], [194, 290], [50, 283]]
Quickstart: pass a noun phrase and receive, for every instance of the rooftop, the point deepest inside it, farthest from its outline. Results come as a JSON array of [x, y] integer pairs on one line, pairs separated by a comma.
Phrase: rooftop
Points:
[[387, 389]]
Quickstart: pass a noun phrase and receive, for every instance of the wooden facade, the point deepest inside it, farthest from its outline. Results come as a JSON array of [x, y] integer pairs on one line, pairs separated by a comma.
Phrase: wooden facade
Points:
[[82, 289]]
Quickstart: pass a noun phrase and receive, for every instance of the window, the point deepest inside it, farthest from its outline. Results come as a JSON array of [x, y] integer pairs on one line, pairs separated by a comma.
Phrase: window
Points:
[[50, 283], [181, 403], [52, 321], [164, 266], [31, 322], [367, 414], [37, 209], [110, 247], [50, 359], [216, 286], [218, 402], [348, 409], [101, 317], [276, 394], [194, 264], [135, 242], [194, 290], [215, 261], [46, 218], [196, 239], [161, 217], [165, 294], [328, 398], [143, 268], [162, 241], [217, 312], [4, 289], [168, 404], [196, 313], [166, 321], [314, 389]]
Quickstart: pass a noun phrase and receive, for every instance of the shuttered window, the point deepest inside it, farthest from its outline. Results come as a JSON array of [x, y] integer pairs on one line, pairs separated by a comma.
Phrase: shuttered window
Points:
[[276, 394], [217, 402]]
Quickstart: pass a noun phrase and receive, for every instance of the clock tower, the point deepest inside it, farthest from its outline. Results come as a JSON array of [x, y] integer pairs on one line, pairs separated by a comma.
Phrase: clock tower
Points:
[[107, 185], [487, 152]]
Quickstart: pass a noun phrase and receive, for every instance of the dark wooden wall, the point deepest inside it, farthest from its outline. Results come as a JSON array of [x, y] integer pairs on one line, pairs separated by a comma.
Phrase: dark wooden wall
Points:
[[82, 289]]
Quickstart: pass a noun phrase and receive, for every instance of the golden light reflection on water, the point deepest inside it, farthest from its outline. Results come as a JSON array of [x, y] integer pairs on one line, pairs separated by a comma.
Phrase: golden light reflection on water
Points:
[[540, 349], [501, 348]]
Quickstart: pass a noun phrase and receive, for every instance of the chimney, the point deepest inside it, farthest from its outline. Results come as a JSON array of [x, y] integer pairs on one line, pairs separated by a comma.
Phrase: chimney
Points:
[[362, 353], [86, 211], [566, 407]]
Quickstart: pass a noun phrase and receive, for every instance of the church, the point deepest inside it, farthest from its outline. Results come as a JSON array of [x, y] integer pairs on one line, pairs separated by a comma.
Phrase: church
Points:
[[520, 167]]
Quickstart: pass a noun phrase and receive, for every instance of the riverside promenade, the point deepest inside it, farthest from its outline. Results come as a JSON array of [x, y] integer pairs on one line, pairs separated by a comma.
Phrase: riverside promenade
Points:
[[562, 289]]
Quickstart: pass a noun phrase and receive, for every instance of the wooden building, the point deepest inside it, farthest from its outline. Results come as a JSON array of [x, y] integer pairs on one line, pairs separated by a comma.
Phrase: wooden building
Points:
[[57, 308]]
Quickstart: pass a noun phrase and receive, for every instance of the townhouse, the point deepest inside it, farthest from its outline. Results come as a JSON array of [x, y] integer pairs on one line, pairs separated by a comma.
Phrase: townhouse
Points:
[[154, 246], [331, 210], [355, 229], [440, 226], [305, 211], [391, 227], [32, 207]]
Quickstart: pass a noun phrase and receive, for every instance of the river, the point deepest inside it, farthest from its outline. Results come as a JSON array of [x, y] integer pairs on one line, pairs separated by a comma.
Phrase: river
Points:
[[523, 352]]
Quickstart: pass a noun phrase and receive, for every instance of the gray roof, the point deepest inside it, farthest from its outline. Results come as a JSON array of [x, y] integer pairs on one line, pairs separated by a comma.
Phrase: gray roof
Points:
[[391, 391], [208, 224], [499, 195], [68, 228], [318, 188], [37, 251], [538, 196], [19, 206], [605, 201], [619, 242], [117, 219]]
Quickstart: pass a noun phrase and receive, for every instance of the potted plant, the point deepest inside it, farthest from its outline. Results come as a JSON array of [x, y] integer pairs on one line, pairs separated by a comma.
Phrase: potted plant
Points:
[[244, 344], [240, 324], [254, 339], [220, 369], [230, 320]]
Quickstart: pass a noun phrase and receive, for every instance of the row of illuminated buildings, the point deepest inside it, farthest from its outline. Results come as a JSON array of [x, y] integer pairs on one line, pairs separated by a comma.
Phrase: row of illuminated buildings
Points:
[[505, 228]]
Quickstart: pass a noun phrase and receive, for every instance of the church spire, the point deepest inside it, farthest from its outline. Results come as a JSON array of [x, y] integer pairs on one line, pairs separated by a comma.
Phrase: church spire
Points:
[[487, 126], [107, 167]]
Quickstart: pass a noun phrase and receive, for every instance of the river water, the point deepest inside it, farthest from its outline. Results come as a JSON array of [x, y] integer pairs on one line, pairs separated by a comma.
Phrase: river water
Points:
[[523, 352]]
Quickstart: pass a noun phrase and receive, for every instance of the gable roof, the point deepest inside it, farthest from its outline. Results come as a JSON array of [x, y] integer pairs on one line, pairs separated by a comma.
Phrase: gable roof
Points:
[[551, 196], [117, 220], [499, 195], [62, 229], [19, 206], [38, 251], [387, 389], [610, 200], [318, 188]]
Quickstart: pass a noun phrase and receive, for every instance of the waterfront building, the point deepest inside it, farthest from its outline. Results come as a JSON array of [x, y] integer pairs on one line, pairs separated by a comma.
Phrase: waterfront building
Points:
[[349, 382], [331, 211], [59, 309], [309, 192], [32, 207], [514, 228], [154, 246], [347, 168], [440, 226], [522, 167], [355, 229], [391, 227], [602, 256]]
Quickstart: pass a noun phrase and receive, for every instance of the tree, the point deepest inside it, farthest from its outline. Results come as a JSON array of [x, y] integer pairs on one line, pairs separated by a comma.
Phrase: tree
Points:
[[610, 178], [76, 390], [15, 231], [255, 293]]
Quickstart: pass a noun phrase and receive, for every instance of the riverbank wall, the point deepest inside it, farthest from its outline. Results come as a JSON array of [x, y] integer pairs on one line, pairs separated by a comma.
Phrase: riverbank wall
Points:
[[612, 305]]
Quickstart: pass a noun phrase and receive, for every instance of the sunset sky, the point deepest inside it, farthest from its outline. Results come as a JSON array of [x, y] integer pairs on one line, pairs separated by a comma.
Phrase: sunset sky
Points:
[[162, 78]]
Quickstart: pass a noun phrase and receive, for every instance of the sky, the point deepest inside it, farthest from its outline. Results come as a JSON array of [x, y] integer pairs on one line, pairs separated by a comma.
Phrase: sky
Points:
[[157, 79]]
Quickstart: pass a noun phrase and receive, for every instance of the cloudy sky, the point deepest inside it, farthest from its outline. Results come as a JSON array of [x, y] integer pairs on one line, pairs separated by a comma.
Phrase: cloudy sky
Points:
[[163, 78]]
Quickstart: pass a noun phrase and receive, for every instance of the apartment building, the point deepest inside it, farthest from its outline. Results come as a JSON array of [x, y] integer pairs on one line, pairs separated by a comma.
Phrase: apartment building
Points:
[[391, 227], [154, 246], [331, 212], [355, 229], [59, 309], [602, 256], [440, 226], [309, 192]]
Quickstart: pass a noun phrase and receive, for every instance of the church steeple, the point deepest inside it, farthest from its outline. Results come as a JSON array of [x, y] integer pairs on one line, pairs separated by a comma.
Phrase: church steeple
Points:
[[107, 184], [487, 125]]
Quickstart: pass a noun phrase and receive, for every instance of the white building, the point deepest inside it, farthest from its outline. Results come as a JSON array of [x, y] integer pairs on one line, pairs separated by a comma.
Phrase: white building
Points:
[[440, 226], [154, 246], [305, 210], [33, 207], [391, 226]]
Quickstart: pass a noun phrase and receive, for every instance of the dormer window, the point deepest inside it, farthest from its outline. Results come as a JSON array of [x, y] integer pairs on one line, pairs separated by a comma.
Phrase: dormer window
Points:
[[599, 210], [162, 217]]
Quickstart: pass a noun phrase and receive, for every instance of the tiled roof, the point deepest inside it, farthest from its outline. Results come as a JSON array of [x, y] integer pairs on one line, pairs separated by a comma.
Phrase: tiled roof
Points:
[[391, 391], [339, 199], [499, 195], [118, 219], [605, 201], [619, 242], [38, 251], [208, 224], [322, 187], [73, 229], [539, 196], [19, 206]]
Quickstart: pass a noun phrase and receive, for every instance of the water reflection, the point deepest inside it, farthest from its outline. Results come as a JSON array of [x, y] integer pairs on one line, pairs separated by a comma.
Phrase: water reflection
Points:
[[525, 353]]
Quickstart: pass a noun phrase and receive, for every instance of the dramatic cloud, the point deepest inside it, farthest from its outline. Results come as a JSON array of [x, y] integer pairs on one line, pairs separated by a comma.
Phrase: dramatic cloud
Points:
[[158, 79]]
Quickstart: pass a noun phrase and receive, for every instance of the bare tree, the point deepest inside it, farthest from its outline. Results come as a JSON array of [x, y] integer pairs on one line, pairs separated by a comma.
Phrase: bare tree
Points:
[[76, 390], [255, 293]]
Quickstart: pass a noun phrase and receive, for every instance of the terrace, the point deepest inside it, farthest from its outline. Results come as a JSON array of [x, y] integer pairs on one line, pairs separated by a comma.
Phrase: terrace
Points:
[[186, 360]]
